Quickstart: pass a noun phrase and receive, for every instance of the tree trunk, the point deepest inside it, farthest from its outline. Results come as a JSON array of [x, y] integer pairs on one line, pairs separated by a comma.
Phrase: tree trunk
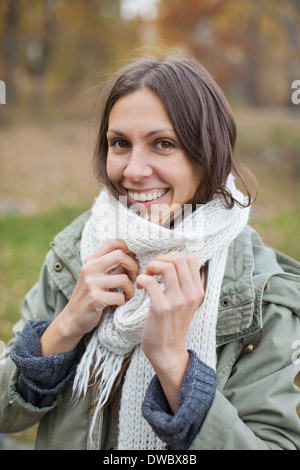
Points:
[[10, 47]]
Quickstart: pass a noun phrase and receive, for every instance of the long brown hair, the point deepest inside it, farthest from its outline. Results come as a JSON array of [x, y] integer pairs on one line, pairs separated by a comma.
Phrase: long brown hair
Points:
[[201, 116]]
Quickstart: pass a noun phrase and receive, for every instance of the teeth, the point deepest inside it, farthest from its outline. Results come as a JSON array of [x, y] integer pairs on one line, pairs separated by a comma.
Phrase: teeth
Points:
[[142, 197]]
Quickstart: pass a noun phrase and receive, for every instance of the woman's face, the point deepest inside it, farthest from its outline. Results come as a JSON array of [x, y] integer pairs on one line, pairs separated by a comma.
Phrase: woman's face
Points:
[[145, 160]]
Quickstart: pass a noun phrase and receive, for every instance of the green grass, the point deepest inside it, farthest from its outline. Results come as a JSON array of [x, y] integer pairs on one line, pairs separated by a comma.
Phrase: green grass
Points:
[[24, 243], [282, 232]]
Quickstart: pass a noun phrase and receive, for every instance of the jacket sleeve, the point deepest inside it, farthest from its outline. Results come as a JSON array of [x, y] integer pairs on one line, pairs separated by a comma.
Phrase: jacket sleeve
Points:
[[256, 409], [42, 302]]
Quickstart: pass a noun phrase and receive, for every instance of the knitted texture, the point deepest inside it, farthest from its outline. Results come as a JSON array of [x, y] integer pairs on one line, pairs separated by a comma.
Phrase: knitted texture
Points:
[[206, 232], [40, 378]]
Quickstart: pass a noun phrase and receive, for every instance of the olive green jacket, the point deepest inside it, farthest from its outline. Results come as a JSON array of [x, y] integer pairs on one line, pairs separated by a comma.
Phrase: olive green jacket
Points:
[[256, 399]]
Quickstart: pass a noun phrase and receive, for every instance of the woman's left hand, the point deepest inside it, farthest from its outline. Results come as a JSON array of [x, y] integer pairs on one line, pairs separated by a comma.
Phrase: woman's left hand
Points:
[[170, 314]]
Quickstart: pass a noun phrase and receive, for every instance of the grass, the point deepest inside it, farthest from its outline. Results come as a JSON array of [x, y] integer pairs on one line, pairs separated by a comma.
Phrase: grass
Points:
[[24, 243], [282, 232]]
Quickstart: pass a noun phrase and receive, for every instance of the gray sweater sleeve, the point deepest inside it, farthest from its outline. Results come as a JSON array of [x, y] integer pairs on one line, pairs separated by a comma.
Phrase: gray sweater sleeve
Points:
[[195, 397], [40, 378]]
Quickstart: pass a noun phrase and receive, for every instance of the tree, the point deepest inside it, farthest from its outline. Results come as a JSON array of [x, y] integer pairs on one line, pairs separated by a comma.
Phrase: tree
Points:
[[10, 47], [252, 47]]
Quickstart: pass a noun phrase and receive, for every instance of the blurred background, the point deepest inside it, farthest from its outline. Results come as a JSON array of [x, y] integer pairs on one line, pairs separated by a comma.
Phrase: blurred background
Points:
[[54, 56]]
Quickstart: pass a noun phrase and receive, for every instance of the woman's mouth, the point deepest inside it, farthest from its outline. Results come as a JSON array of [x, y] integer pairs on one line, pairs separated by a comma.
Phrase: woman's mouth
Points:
[[146, 197]]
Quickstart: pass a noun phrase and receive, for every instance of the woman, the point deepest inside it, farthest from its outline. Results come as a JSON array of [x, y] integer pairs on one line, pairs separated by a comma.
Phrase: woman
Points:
[[160, 313]]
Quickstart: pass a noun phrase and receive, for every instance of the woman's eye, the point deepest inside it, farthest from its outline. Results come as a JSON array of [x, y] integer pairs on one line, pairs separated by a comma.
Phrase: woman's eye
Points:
[[165, 145], [120, 144]]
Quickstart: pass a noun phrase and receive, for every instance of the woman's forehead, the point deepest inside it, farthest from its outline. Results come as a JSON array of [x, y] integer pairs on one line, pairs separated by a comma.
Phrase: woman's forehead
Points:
[[142, 107]]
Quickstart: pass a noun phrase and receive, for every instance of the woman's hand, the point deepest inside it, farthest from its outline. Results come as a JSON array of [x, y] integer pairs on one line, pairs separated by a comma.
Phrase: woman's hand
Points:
[[112, 266], [170, 314]]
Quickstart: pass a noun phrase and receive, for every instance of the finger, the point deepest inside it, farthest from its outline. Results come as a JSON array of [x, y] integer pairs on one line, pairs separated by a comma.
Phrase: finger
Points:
[[188, 272], [118, 270], [180, 262], [109, 246], [144, 281], [112, 260], [118, 281], [195, 264], [168, 273], [112, 299], [117, 259]]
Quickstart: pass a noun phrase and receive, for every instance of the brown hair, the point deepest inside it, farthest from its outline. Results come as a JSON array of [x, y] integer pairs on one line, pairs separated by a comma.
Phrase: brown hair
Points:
[[199, 112]]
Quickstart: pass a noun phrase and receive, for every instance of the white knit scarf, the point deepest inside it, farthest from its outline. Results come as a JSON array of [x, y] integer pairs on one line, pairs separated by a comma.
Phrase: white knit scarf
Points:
[[206, 232]]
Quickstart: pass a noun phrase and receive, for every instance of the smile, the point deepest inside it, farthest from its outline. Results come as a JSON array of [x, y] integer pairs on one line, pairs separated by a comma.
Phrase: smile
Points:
[[147, 196]]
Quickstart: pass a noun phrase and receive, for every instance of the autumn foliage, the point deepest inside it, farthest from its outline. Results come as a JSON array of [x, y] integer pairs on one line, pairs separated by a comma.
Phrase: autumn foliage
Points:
[[51, 49]]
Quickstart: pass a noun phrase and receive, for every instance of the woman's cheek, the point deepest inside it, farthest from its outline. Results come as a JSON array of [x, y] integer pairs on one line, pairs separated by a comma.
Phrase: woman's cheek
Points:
[[114, 169]]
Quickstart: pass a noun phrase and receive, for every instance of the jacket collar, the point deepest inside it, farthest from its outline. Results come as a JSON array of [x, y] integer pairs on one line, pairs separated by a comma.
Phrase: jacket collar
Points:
[[238, 316]]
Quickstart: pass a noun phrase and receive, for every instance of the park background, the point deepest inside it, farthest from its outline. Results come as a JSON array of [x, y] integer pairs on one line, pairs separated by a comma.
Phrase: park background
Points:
[[54, 57]]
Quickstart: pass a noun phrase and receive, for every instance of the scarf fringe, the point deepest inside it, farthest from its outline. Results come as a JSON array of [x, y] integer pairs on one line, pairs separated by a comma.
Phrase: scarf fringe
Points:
[[96, 361]]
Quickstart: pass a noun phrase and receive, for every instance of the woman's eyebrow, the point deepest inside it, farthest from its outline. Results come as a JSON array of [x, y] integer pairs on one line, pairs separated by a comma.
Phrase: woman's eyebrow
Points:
[[157, 131], [149, 134], [114, 131]]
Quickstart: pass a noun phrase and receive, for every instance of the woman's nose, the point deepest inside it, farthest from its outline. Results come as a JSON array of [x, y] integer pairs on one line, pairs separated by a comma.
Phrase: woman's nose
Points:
[[138, 166]]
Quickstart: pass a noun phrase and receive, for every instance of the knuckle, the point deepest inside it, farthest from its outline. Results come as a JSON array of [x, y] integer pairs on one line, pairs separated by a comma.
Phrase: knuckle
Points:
[[169, 268], [201, 292], [151, 281], [121, 298], [85, 270], [165, 310], [195, 301], [119, 253], [180, 304], [93, 299], [197, 297], [115, 243], [124, 278], [146, 279]]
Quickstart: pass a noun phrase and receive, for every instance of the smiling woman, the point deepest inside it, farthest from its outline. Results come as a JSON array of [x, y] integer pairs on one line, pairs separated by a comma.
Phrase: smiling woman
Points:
[[156, 316]]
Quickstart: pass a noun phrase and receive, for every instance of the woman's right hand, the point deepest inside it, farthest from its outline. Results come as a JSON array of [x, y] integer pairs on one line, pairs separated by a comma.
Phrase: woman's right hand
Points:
[[112, 266]]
